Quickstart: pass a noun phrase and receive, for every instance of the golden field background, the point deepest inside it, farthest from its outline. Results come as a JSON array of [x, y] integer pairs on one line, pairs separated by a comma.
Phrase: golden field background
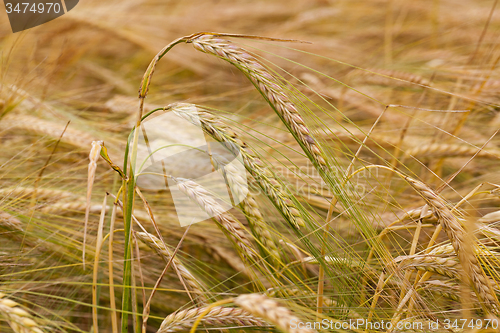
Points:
[[433, 62]]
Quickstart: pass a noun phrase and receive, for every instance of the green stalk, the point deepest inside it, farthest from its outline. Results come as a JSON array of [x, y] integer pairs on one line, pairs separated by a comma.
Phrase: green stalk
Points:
[[129, 189], [127, 268], [128, 194]]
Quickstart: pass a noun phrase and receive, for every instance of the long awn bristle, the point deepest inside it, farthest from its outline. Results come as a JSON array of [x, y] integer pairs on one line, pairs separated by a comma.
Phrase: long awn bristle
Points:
[[254, 165], [270, 87]]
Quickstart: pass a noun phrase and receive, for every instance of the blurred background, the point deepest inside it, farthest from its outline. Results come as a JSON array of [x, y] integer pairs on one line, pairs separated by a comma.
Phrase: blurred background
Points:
[[80, 74]]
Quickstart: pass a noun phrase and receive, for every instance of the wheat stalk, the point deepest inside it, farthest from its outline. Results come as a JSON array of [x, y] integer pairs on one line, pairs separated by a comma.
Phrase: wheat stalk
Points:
[[264, 177], [270, 87], [459, 239], [79, 205], [76, 206], [413, 215], [417, 214], [449, 150], [214, 209], [264, 307], [191, 282], [19, 319], [217, 317]]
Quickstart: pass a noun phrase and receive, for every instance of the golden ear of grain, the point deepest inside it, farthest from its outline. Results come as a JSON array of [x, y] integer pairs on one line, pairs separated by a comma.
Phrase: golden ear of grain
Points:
[[53, 130], [443, 265], [208, 203], [74, 206], [441, 260], [219, 131], [217, 317], [493, 217], [21, 192], [249, 206], [417, 214], [462, 245], [259, 227], [80, 205], [264, 307], [19, 319], [271, 88], [191, 282]]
